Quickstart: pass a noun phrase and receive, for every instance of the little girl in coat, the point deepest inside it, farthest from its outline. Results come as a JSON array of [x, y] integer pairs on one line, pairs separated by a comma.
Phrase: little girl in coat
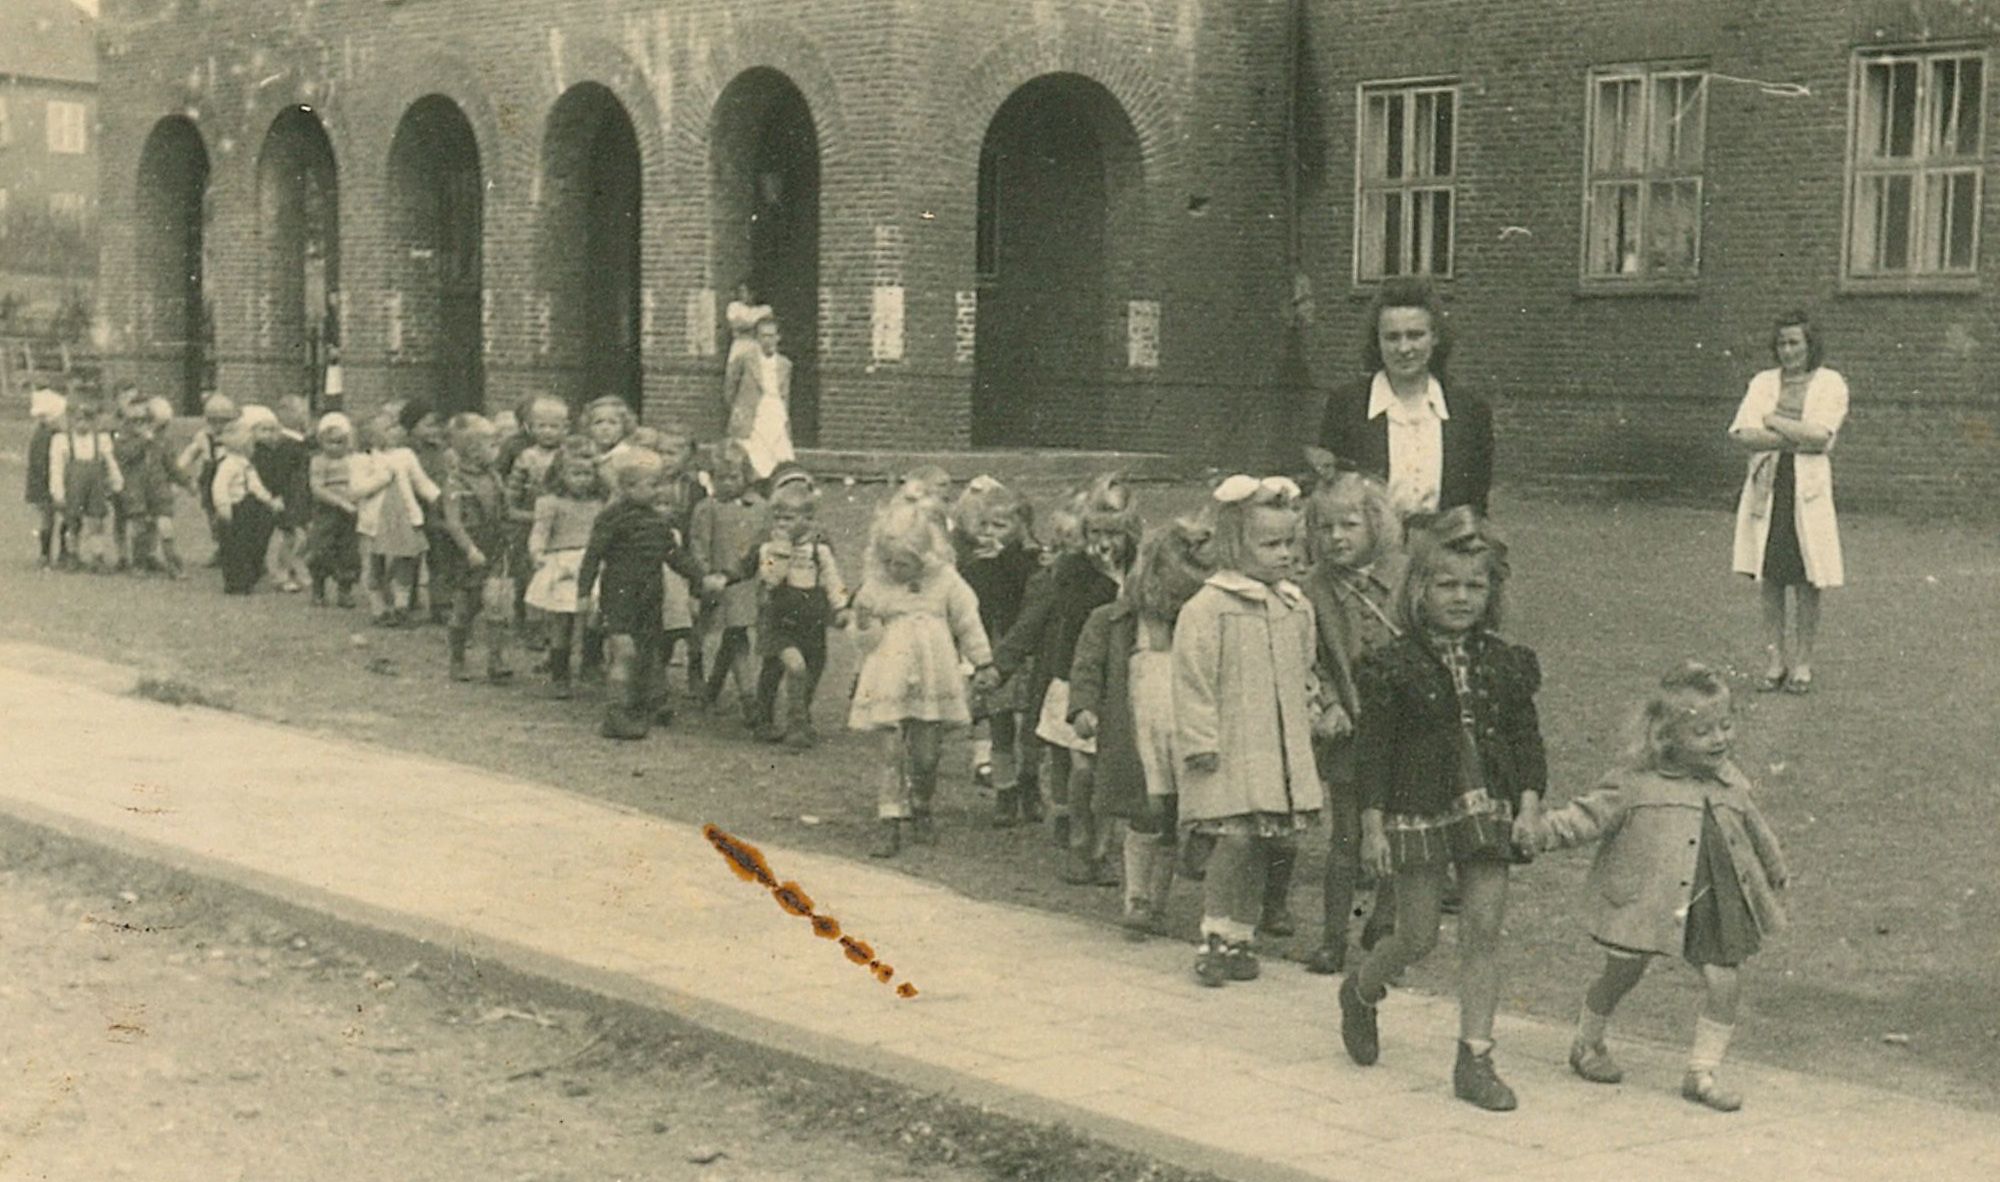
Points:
[[1686, 866], [1450, 770], [564, 514], [1122, 695], [915, 620], [1242, 654]]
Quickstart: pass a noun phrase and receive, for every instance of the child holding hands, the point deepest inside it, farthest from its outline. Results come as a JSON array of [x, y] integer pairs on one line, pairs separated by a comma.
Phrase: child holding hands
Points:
[[632, 543], [1450, 769], [1242, 653], [564, 515], [1686, 866], [800, 596], [245, 510]]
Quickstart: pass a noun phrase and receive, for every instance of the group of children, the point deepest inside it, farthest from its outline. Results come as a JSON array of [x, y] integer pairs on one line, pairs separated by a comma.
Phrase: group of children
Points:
[[1194, 698]]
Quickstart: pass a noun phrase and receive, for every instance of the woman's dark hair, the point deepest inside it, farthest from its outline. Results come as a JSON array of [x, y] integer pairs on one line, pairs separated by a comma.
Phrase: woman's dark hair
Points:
[[1405, 293], [1815, 348]]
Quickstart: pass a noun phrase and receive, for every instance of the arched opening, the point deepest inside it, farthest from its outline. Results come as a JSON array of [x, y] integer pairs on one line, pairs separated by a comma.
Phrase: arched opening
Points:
[[298, 229], [436, 220], [1059, 183], [590, 255], [764, 198], [174, 319]]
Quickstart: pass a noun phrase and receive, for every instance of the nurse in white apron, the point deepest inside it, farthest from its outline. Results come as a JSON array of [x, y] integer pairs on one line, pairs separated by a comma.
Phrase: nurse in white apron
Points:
[[759, 390]]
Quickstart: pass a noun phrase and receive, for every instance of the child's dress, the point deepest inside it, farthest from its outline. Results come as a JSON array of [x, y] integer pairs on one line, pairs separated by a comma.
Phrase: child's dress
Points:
[[558, 536], [390, 517], [1686, 865], [912, 674]]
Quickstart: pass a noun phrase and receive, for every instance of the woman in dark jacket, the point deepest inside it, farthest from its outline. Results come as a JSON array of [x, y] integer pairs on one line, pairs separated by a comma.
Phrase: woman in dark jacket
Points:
[[1433, 449]]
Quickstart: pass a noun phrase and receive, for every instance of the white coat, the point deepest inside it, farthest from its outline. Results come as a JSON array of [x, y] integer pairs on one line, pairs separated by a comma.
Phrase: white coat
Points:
[[1812, 501]]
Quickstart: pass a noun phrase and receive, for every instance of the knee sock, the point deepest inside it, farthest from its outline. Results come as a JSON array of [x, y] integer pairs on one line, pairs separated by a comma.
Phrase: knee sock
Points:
[[1711, 1042], [982, 751], [1590, 1026]]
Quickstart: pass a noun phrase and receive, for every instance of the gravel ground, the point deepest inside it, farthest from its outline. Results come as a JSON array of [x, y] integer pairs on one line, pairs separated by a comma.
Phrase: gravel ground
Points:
[[148, 1034]]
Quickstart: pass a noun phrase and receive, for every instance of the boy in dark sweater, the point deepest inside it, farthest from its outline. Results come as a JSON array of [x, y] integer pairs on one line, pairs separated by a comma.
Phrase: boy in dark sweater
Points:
[[475, 528], [629, 545]]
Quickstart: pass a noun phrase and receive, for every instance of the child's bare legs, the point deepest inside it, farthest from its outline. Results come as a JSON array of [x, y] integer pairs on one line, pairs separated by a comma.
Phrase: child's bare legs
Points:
[[170, 554], [46, 536], [624, 712], [402, 586], [561, 631], [1085, 863], [1772, 598], [1055, 778], [1232, 897], [925, 742], [1712, 1030], [892, 801], [1483, 888], [1805, 631]]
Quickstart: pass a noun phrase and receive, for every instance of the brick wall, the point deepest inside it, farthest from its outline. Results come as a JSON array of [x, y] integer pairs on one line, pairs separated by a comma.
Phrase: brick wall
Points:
[[1643, 385]]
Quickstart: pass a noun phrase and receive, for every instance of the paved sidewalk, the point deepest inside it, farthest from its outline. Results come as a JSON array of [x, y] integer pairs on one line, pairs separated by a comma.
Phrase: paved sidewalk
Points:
[[1037, 1014]]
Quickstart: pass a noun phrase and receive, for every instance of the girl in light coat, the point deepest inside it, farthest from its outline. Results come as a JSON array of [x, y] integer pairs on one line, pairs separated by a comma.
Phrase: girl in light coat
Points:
[[1786, 533], [1686, 866], [1242, 653]]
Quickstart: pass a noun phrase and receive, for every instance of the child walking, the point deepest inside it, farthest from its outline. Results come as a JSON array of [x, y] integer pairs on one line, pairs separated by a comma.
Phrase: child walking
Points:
[[145, 507], [800, 595], [49, 410], [1355, 540], [390, 487], [333, 547], [997, 556], [198, 460], [631, 544], [915, 620], [475, 553], [284, 460], [1242, 652], [1686, 866], [1450, 769], [1122, 696], [564, 514], [244, 507], [84, 481], [523, 465], [726, 528]]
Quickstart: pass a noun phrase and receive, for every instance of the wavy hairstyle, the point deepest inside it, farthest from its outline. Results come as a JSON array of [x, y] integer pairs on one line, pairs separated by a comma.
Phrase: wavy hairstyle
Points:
[[1405, 292], [1437, 538], [1681, 691]]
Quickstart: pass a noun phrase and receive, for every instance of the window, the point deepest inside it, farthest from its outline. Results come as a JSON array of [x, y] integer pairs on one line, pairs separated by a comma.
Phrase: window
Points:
[[1916, 166], [1642, 189], [1404, 172], [66, 207], [67, 128]]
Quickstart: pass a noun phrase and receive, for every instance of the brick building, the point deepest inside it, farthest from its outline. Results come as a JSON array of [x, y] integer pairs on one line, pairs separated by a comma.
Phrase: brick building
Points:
[[1057, 223], [48, 159]]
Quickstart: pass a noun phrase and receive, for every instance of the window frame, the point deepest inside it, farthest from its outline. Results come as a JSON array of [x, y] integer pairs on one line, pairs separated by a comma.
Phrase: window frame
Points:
[[1922, 168], [79, 123], [1648, 74], [1408, 88]]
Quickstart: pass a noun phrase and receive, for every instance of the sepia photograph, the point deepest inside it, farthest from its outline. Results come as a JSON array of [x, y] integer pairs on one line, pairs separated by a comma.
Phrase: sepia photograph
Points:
[[999, 590]]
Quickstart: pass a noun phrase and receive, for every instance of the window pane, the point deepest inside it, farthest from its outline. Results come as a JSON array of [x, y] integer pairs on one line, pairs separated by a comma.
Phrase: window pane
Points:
[[1964, 221], [1375, 139], [1373, 219], [1949, 216], [1393, 239], [1423, 134], [1614, 230], [1971, 94], [1392, 145], [1440, 260], [1673, 218], [1447, 117], [1675, 143], [1902, 141], [1618, 135], [1893, 226]]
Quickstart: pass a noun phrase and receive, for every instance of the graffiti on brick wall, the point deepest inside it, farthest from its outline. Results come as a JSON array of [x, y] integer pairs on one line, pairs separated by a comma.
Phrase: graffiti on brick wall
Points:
[[1142, 334], [965, 327]]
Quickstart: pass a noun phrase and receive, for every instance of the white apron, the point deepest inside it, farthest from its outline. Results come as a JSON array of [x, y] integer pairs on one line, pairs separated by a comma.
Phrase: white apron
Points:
[[770, 440], [1812, 500]]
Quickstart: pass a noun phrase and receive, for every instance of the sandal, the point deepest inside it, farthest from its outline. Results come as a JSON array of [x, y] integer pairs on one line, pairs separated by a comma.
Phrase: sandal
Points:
[[1701, 1088]]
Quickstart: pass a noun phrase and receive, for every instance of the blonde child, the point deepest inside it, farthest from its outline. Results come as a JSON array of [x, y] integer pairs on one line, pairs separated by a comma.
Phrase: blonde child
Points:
[[49, 410], [1686, 866], [390, 489], [608, 421], [1018, 658], [284, 460], [197, 461], [564, 513], [1450, 768], [333, 548], [997, 556], [799, 596], [632, 544], [425, 435], [1242, 652], [244, 506], [475, 529], [84, 480], [1122, 696], [145, 508], [723, 530], [916, 620], [1354, 539]]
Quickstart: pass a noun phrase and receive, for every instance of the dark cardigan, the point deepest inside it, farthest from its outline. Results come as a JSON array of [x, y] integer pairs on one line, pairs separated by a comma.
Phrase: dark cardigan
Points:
[[1100, 681], [1348, 432], [1057, 603], [1406, 740]]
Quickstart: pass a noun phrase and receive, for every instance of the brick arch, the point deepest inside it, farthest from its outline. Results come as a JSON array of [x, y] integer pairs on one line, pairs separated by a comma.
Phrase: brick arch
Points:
[[774, 45], [1141, 93], [401, 82], [590, 59]]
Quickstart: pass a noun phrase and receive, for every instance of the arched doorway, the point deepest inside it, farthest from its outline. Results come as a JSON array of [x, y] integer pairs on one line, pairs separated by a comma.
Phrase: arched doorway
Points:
[[764, 197], [298, 229], [1059, 180], [171, 206], [436, 220], [590, 254]]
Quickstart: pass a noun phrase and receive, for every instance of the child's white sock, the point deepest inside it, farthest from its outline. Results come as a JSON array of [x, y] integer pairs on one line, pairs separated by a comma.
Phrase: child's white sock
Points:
[[1478, 1046], [1711, 1042], [982, 752], [1590, 1026]]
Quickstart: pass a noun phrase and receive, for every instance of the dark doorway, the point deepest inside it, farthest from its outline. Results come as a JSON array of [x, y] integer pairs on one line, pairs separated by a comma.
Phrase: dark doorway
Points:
[[1058, 158], [298, 224], [437, 206], [765, 201], [173, 187], [591, 190]]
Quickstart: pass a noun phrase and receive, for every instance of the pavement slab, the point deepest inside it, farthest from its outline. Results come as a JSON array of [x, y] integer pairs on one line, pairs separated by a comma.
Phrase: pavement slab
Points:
[[1037, 1014]]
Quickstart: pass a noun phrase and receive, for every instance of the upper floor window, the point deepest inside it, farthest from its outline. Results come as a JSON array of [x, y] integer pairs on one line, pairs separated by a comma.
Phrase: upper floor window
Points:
[[1916, 167], [1405, 169], [68, 126], [1642, 191]]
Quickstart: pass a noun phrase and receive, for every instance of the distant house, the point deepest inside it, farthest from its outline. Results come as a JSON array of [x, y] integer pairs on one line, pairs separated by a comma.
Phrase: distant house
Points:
[[48, 160]]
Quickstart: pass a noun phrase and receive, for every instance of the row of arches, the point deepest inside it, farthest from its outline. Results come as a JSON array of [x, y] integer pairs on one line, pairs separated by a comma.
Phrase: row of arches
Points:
[[1059, 185]]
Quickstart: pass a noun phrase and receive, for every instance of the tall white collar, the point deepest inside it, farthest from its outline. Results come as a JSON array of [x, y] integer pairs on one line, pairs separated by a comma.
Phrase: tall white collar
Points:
[[1382, 398]]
